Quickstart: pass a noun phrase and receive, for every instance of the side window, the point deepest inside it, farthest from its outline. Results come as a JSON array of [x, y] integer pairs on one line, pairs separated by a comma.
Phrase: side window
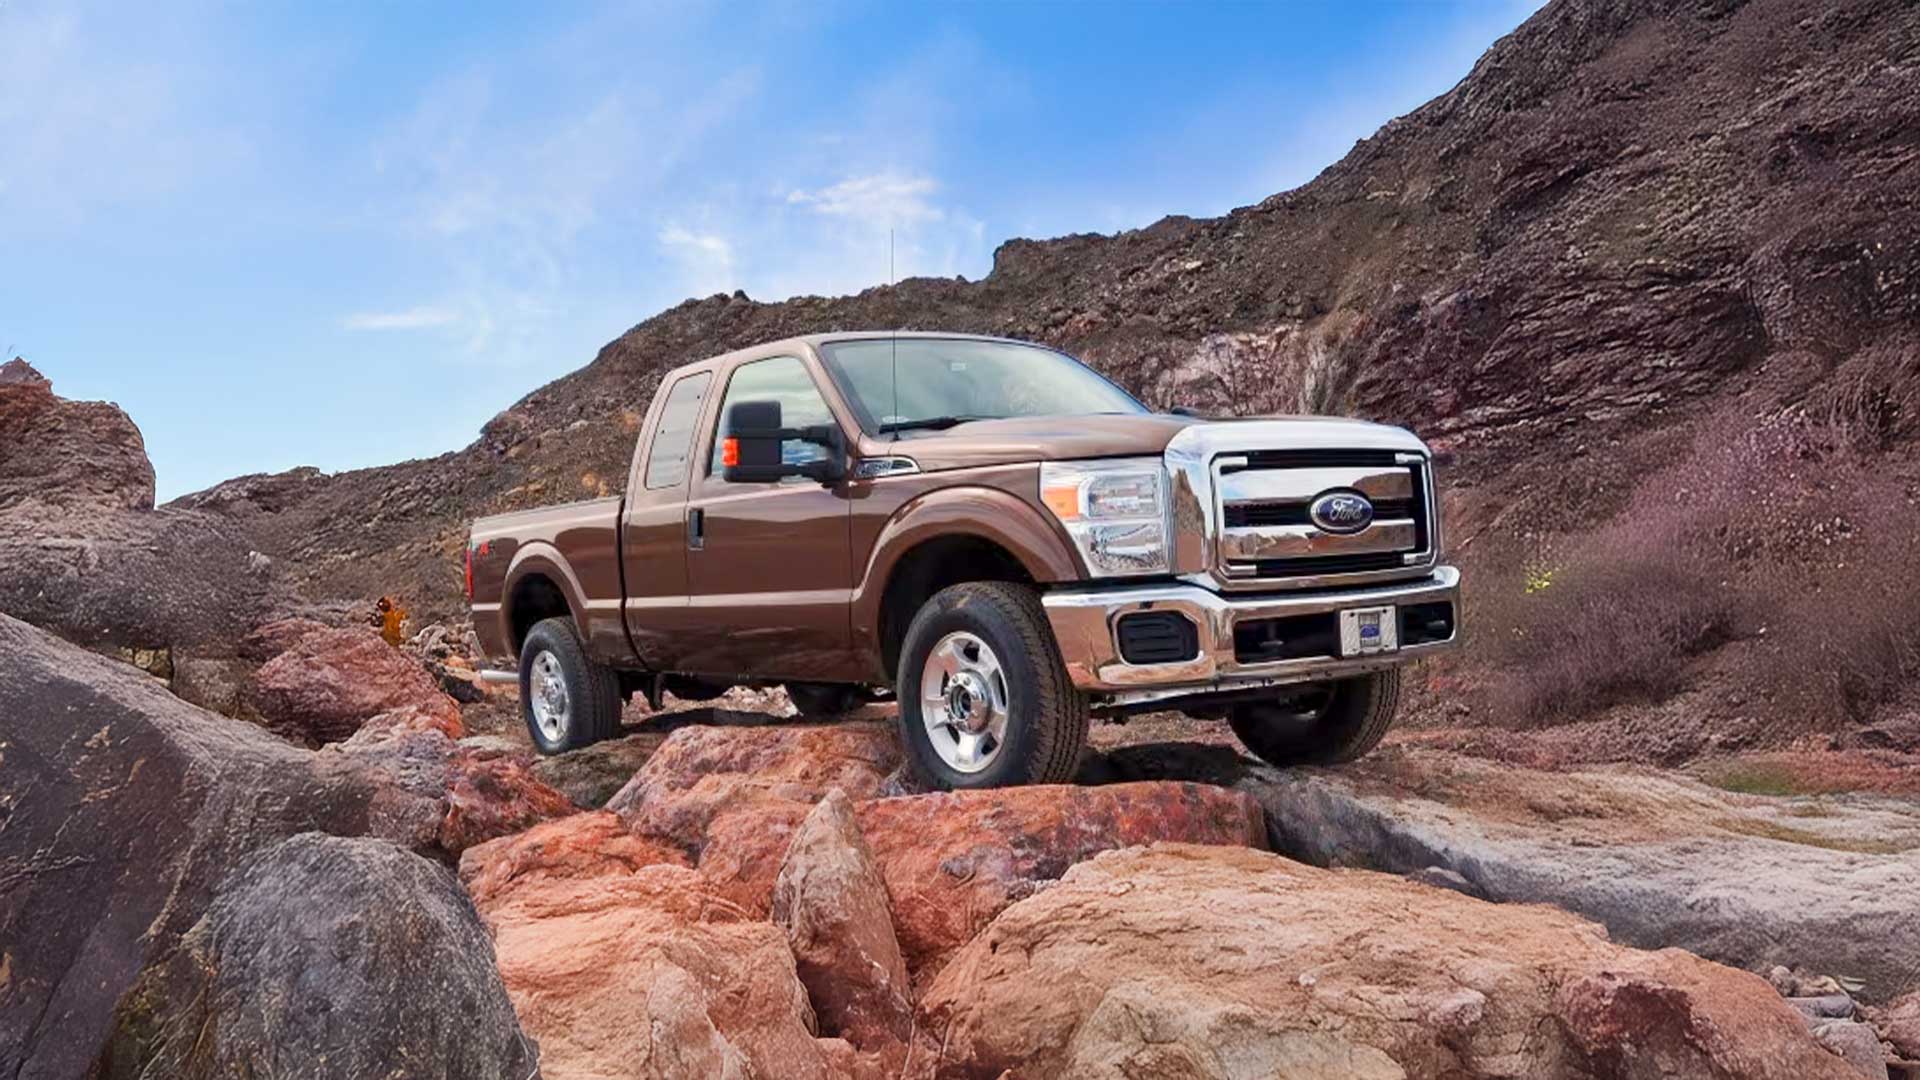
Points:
[[783, 379], [673, 437]]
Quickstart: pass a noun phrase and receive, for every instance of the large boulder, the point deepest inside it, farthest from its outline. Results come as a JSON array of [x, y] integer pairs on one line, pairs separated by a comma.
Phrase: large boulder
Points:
[[1658, 858], [121, 808], [647, 974], [1184, 961], [832, 902], [587, 845], [953, 861], [322, 957], [76, 454], [699, 773], [329, 681], [84, 554]]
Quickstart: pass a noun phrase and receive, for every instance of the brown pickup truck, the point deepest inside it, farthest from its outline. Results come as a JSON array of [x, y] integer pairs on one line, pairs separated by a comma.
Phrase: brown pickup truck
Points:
[[993, 534]]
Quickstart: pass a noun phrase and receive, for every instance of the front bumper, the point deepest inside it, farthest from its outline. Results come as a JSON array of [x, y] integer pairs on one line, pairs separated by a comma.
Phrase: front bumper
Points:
[[1085, 626]]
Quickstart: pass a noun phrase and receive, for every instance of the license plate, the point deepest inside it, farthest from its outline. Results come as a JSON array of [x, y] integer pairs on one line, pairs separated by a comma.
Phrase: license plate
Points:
[[1368, 630]]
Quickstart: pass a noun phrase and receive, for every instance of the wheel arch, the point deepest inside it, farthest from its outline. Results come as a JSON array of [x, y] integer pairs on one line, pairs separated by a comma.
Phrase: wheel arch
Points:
[[539, 585], [944, 538]]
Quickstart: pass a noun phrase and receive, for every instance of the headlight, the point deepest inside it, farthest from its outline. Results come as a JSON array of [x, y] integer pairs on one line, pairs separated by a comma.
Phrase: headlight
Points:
[[1116, 512]]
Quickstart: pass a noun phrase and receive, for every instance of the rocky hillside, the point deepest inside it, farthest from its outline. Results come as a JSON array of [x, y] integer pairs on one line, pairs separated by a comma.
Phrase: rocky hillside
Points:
[[1635, 221]]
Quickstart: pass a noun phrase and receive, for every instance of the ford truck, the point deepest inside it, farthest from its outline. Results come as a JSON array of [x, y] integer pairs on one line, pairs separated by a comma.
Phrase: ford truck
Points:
[[990, 534]]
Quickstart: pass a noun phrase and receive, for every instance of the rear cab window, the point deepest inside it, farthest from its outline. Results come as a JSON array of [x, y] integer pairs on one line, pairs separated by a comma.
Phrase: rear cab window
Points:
[[673, 435]]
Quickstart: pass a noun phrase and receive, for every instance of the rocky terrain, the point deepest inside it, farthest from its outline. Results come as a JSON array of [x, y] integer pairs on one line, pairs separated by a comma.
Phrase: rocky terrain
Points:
[[1648, 274]]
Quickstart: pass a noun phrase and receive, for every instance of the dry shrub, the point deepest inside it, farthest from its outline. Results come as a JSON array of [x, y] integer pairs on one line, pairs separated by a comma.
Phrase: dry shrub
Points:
[[1616, 619], [1782, 531], [1843, 636]]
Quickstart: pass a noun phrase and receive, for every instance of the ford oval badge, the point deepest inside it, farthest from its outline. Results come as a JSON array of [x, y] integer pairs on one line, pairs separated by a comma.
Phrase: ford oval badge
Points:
[[1341, 512]]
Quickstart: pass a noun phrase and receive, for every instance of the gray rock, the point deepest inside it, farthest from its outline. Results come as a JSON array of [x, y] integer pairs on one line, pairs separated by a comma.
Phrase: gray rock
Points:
[[593, 775], [323, 957], [1442, 878], [1657, 857], [1826, 1007], [121, 808], [492, 746], [1856, 1044]]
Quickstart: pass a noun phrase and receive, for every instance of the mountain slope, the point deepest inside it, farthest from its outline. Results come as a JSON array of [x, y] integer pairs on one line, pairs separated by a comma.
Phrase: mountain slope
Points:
[[1632, 215]]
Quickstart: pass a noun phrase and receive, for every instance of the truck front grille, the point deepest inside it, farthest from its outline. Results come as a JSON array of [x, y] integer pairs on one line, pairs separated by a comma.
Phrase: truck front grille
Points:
[[1268, 532]]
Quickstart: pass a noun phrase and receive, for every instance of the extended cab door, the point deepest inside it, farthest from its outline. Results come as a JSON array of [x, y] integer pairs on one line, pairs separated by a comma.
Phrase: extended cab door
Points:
[[769, 564], [653, 542]]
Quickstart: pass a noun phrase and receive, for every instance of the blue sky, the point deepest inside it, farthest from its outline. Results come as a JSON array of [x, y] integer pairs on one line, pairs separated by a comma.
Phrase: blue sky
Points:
[[347, 234]]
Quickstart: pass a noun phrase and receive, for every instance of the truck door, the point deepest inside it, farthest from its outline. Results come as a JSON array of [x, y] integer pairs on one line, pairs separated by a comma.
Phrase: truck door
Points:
[[768, 564], [653, 539]]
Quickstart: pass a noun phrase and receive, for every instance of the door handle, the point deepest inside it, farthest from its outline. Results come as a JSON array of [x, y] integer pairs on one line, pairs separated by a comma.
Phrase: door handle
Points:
[[696, 528]]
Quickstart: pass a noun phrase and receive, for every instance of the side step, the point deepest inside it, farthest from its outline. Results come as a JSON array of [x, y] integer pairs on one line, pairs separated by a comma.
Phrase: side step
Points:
[[500, 677]]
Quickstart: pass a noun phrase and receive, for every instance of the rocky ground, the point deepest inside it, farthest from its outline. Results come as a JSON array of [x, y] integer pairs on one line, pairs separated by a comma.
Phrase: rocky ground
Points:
[[732, 893]]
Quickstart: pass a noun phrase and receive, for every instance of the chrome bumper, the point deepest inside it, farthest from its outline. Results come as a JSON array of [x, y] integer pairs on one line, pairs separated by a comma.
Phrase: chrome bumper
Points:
[[1084, 620]]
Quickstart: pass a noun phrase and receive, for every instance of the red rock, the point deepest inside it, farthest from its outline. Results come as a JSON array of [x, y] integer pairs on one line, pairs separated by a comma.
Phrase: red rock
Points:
[[270, 639], [442, 716], [648, 974], [80, 454], [954, 860], [1178, 960], [832, 903], [494, 797], [475, 795], [329, 682], [1899, 1024], [742, 852], [700, 772], [587, 845]]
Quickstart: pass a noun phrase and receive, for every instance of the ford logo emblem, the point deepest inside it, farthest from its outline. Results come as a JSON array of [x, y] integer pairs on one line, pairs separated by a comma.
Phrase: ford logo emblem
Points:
[[1341, 512]]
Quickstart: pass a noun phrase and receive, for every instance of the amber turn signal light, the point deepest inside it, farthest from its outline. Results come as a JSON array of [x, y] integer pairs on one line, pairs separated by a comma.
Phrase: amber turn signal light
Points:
[[730, 451], [1063, 500]]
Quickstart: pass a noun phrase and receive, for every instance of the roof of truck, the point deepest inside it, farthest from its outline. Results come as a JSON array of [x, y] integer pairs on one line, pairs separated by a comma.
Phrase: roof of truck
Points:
[[816, 340]]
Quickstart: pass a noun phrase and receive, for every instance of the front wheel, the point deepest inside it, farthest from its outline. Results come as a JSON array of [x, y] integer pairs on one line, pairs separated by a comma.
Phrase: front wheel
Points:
[[1321, 725], [567, 700], [984, 698]]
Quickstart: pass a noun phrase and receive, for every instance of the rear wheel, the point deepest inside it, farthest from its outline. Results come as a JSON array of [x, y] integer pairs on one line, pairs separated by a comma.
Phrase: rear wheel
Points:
[[984, 698], [567, 700], [1321, 725]]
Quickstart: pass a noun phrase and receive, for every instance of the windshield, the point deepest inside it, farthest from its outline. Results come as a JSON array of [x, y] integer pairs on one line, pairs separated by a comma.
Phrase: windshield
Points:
[[947, 381]]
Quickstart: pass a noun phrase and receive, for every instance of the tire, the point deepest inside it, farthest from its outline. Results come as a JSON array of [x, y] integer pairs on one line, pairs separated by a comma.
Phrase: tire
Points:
[[1349, 719], [823, 701], [587, 708], [980, 628]]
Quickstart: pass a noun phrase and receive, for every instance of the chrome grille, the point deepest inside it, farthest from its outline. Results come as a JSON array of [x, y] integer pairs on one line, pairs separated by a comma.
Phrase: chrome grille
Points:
[[1267, 532]]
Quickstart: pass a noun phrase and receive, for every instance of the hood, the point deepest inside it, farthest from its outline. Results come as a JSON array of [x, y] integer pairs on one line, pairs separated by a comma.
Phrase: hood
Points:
[[1033, 438], [1070, 438]]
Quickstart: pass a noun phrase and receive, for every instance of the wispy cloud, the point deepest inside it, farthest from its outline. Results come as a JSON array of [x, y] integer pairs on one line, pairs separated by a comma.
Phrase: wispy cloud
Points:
[[888, 197], [413, 318], [706, 258]]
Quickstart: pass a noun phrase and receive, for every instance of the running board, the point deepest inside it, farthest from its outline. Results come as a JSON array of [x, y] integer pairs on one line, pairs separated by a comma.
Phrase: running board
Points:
[[500, 677]]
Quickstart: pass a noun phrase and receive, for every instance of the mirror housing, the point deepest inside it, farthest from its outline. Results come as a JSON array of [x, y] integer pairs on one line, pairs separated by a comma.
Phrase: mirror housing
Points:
[[750, 450]]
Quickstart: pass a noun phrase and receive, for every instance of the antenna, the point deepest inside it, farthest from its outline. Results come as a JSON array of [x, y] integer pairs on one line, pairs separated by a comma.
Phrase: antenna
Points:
[[896, 335]]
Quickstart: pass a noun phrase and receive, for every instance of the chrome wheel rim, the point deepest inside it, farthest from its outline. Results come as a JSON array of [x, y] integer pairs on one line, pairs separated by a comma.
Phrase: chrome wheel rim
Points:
[[963, 702], [547, 689]]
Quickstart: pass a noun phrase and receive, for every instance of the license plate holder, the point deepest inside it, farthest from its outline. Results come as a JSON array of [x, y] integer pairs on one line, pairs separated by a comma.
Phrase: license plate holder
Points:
[[1369, 630]]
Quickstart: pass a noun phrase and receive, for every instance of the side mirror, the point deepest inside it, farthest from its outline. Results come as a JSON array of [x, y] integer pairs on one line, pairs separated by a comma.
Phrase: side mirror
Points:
[[750, 450]]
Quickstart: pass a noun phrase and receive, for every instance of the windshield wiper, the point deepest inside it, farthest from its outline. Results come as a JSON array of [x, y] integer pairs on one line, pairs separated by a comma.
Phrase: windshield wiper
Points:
[[932, 423]]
